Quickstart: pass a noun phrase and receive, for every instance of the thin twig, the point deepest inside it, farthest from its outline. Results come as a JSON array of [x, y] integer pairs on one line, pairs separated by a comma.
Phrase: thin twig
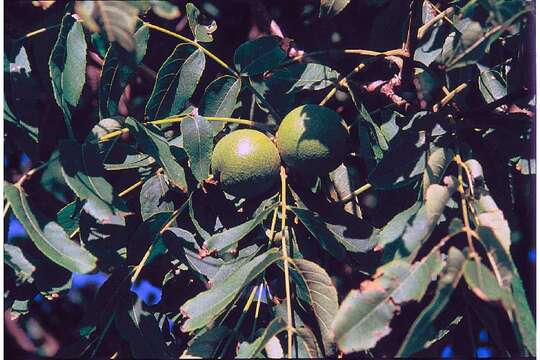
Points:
[[285, 253]]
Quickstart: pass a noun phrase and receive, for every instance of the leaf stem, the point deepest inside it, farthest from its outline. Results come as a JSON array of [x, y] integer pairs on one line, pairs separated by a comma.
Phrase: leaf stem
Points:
[[449, 97], [257, 308], [36, 32], [424, 28], [194, 43], [356, 192], [464, 209], [285, 253], [343, 82], [131, 188], [263, 100], [171, 120]]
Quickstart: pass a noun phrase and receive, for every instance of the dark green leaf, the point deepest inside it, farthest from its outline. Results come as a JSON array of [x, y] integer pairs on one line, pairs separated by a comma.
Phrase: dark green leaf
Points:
[[67, 66], [198, 143], [364, 316], [208, 305], [140, 328], [83, 173], [492, 85], [423, 329], [176, 81], [257, 56], [118, 19], [49, 237], [219, 99], [207, 344], [155, 197], [224, 240], [251, 350], [68, 217], [323, 296], [117, 70], [332, 7], [307, 344], [310, 76], [483, 282], [152, 142], [332, 237], [202, 33]]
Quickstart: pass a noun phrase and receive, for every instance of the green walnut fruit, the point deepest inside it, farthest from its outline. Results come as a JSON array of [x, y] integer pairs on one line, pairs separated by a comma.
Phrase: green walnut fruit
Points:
[[312, 140], [246, 163]]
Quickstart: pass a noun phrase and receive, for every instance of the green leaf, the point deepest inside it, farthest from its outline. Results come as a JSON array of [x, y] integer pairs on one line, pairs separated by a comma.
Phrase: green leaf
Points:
[[15, 259], [67, 66], [155, 197], [118, 68], [332, 237], [257, 56], [176, 81], [208, 305], [151, 141], [397, 225], [83, 173], [165, 9], [146, 236], [202, 33], [438, 161], [483, 282], [418, 231], [219, 99], [309, 76], [224, 240], [207, 344], [492, 85], [118, 19], [68, 217], [251, 350], [198, 142], [141, 329], [323, 296], [332, 7], [423, 329], [364, 316], [50, 239], [308, 346]]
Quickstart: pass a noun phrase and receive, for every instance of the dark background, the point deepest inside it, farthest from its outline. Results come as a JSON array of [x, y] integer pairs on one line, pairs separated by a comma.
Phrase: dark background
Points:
[[359, 26]]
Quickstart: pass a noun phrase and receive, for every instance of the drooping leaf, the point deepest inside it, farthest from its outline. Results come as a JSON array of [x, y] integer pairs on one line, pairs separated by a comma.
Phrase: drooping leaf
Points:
[[49, 237], [83, 173], [323, 296], [152, 143], [155, 197], [257, 56], [118, 19], [397, 225], [67, 66], [176, 81], [224, 240], [332, 7], [364, 316], [198, 142], [423, 330], [117, 70], [140, 328], [202, 33], [251, 350], [219, 99], [208, 305]]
